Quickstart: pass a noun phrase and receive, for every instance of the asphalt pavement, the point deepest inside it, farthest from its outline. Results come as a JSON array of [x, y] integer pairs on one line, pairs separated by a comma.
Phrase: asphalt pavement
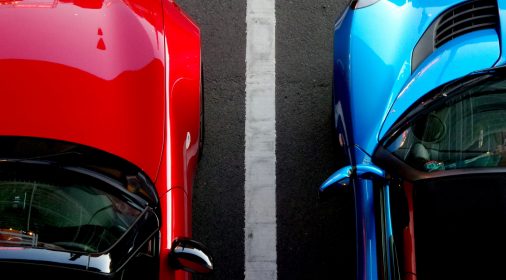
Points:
[[315, 239]]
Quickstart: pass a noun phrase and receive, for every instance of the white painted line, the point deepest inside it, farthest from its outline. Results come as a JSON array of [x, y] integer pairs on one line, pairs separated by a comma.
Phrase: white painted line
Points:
[[260, 133]]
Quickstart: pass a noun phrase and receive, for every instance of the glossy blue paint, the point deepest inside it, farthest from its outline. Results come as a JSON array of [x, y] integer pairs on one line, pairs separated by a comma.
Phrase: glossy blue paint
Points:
[[373, 85], [502, 32], [372, 60], [367, 265], [338, 177], [369, 170], [360, 171], [453, 60], [388, 229]]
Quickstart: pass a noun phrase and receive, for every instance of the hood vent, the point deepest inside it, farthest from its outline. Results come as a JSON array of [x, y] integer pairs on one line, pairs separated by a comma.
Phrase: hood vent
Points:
[[466, 18], [461, 19]]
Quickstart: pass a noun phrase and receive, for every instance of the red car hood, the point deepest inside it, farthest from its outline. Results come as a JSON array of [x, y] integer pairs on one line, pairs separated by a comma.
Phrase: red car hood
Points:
[[86, 71]]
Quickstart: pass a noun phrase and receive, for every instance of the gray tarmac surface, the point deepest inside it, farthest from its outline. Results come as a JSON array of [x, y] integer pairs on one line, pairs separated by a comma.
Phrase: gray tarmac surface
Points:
[[315, 239]]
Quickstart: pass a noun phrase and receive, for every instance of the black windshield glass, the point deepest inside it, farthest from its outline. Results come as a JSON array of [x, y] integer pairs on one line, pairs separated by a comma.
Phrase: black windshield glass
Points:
[[49, 207], [464, 129]]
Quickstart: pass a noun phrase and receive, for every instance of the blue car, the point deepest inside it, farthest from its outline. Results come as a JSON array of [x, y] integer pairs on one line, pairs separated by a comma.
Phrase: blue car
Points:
[[419, 108]]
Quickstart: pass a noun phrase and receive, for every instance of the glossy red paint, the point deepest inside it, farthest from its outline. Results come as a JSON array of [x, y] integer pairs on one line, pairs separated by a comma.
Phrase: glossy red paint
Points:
[[119, 76], [183, 107], [409, 237], [62, 80]]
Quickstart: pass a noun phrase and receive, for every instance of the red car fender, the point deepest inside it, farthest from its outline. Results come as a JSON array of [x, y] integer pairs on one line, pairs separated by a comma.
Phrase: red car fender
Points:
[[176, 223], [179, 159]]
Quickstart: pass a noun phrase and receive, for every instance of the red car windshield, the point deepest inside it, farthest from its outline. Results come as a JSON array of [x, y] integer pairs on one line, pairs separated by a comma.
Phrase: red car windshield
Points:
[[43, 206]]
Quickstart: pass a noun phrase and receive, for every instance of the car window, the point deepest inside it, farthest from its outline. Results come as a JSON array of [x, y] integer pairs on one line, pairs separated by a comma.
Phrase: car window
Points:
[[43, 206], [466, 129]]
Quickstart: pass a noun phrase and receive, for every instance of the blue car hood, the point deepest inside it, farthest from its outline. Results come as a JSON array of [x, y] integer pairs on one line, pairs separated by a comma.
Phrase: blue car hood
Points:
[[378, 56]]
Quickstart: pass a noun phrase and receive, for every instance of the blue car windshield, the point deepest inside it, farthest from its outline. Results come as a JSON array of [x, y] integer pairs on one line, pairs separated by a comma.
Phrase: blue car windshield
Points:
[[57, 209], [464, 128]]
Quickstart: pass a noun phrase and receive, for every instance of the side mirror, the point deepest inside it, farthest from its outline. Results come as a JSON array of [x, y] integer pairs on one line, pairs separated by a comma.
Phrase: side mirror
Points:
[[340, 178], [190, 255], [343, 176]]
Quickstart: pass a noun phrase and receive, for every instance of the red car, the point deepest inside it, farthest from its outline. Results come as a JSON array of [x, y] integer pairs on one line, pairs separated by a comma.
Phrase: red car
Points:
[[100, 135]]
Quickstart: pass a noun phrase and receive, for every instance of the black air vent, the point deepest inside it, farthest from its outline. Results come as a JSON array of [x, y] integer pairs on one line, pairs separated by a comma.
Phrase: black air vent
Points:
[[466, 18]]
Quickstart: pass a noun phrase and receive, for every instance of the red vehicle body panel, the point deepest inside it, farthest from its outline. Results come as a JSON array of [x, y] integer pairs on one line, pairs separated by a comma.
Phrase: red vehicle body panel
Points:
[[183, 41], [119, 76], [408, 237]]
